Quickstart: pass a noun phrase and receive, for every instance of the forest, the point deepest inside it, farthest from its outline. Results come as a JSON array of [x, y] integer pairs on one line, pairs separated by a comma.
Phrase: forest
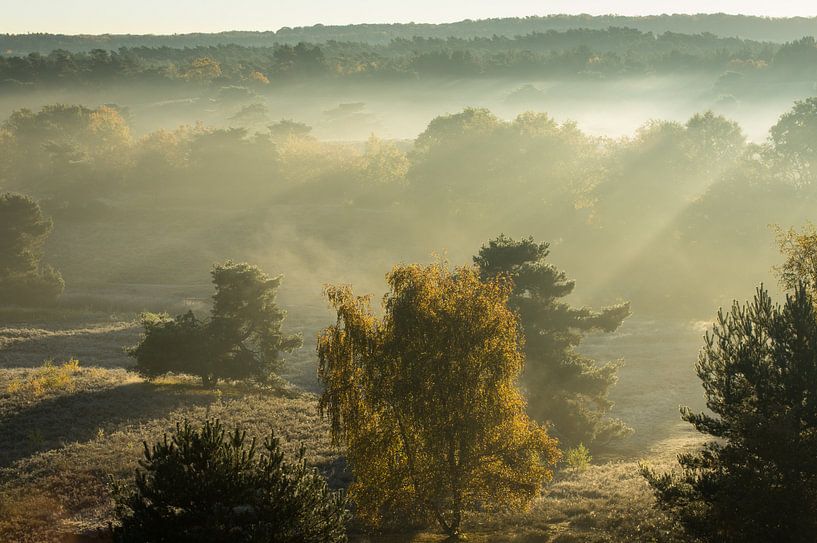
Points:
[[599, 53], [750, 27], [385, 283]]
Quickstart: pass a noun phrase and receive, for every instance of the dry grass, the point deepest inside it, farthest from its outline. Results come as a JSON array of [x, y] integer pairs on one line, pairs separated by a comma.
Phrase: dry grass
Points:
[[96, 432], [95, 344], [64, 439]]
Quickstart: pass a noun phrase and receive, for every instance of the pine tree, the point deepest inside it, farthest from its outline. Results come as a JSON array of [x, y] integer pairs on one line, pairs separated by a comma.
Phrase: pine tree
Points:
[[204, 485], [756, 481], [563, 388], [243, 339], [23, 232]]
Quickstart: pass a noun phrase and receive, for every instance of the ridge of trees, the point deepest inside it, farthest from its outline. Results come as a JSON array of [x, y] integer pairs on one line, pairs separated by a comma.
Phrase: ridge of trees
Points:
[[592, 53], [727, 25]]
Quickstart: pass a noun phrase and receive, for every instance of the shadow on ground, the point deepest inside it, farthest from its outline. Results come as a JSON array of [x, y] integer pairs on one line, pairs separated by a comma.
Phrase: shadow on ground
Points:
[[83, 415]]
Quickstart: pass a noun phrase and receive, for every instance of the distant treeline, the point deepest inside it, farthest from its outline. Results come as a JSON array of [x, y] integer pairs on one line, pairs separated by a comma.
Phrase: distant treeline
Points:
[[747, 27], [613, 52]]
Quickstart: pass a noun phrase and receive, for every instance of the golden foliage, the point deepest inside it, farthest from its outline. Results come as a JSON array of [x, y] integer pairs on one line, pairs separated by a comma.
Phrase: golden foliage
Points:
[[799, 250], [257, 77], [203, 69], [109, 128], [425, 399], [383, 162]]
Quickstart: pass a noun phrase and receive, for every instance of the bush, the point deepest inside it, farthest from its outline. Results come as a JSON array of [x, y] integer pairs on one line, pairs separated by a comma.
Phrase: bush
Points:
[[204, 485], [578, 458], [170, 344], [241, 340]]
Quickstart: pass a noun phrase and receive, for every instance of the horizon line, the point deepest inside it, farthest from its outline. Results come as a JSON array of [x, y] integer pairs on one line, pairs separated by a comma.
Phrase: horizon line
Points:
[[409, 23]]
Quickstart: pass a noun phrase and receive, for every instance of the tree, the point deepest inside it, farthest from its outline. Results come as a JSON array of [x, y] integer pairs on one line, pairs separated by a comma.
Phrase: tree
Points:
[[23, 232], [205, 485], [287, 128], [242, 339], [800, 252], [203, 69], [757, 480], [425, 400], [67, 153], [793, 139], [567, 390]]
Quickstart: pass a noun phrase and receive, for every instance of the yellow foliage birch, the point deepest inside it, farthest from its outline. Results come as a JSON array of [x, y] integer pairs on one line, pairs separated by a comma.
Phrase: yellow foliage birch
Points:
[[425, 399]]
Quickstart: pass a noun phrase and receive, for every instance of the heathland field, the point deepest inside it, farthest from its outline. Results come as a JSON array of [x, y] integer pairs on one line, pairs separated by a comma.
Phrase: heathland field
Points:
[[70, 428]]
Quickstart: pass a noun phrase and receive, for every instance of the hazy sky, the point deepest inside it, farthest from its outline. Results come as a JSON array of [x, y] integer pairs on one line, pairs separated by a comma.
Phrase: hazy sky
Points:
[[177, 16]]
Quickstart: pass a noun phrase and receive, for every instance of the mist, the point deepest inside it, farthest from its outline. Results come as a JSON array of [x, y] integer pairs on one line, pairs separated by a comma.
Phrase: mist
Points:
[[537, 235]]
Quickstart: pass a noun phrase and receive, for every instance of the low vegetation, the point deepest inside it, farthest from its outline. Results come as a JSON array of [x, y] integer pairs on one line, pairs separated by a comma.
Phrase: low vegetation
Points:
[[207, 485], [47, 379]]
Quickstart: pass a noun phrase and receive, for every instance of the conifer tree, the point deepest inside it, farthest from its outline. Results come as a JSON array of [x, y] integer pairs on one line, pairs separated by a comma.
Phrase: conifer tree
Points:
[[756, 481], [564, 388], [23, 233], [243, 339], [205, 485]]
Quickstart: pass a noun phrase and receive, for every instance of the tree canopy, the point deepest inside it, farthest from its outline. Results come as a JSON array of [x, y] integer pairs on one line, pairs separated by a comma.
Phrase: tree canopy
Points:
[[24, 280], [243, 339], [563, 388], [756, 480], [425, 399]]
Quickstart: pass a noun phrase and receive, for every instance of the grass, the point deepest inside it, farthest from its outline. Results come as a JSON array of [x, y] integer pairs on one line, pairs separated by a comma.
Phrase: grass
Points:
[[70, 467], [96, 432], [94, 343], [67, 429]]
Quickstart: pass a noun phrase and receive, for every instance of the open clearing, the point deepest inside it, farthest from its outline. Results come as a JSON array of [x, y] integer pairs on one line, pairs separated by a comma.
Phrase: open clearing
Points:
[[64, 439]]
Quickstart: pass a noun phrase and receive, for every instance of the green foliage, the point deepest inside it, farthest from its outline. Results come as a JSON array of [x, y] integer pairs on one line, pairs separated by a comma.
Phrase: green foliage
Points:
[[206, 485], [178, 345], [799, 250], [795, 140], [757, 480], [459, 158], [563, 388], [578, 458], [425, 399], [241, 340], [287, 128], [683, 202], [530, 47], [245, 321], [23, 232], [705, 27]]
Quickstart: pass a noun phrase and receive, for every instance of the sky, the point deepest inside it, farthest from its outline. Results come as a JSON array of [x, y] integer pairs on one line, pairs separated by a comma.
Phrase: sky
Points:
[[181, 16]]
